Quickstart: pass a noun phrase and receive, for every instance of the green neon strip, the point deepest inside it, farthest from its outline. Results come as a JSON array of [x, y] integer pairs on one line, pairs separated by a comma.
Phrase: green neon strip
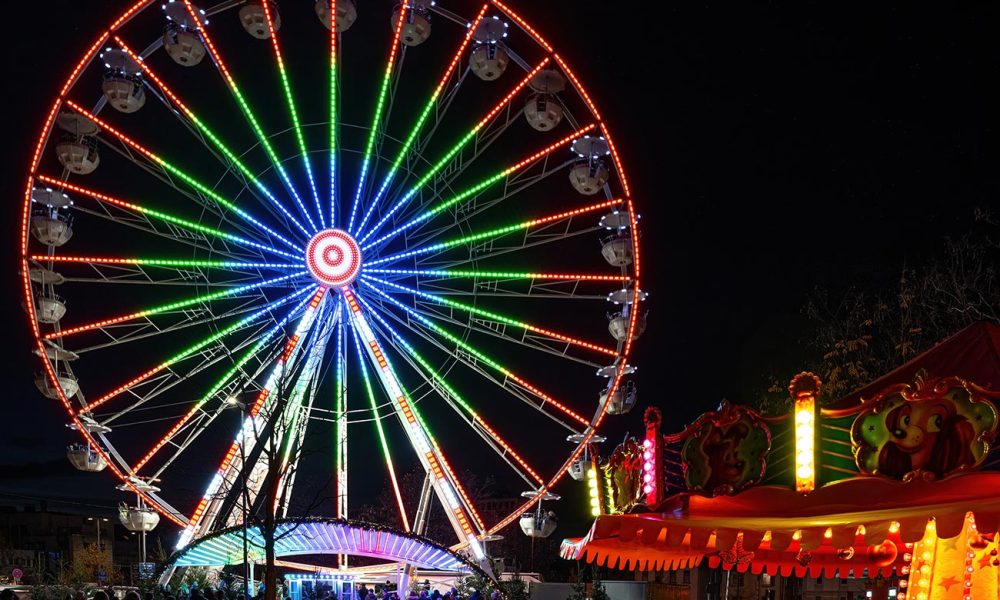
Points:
[[435, 210]]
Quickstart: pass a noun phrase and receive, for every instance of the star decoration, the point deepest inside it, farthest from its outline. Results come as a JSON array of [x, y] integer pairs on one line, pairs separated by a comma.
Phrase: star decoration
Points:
[[947, 582], [736, 555], [984, 560]]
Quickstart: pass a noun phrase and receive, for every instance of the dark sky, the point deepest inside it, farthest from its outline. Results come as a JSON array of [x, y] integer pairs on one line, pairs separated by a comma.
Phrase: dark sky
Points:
[[772, 148]]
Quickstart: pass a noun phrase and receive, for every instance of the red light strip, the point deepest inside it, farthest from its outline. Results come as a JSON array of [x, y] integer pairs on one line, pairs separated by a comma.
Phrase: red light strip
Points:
[[461, 51], [575, 135], [636, 289], [523, 24], [26, 282], [510, 96]]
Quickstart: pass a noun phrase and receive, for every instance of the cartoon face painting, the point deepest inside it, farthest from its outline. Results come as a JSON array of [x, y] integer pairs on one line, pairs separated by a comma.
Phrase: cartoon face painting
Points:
[[726, 451], [722, 446], [932, 431]]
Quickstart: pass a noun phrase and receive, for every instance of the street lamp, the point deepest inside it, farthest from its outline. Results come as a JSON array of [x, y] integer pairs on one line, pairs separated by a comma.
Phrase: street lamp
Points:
[[97, 523]]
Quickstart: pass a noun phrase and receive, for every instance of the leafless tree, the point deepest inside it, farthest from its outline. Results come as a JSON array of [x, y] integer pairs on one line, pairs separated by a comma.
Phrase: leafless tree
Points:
[[863, 334]]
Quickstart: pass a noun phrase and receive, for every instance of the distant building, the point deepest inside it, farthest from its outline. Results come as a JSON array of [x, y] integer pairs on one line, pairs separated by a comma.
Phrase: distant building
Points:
[[36, 538]]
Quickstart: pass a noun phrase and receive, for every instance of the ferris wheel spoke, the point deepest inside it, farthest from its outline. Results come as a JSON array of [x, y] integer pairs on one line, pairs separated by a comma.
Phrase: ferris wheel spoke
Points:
[[431, 212], [491, 234], [476, 422], [172, 306], [211, 501], [210, 135], [334, 120], [499, 275], [383, 443], [446, 159], [293, 112], [211, 339], [496, 320], [119, 335], [200, 187], [415, 131], [247, 112], [379, 108], [186, 224], [225, 383], [164, 262], [477, 357], [444, 481]]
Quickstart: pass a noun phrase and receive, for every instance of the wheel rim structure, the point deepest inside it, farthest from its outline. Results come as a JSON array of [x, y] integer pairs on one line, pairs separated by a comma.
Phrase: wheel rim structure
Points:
[[382, 277]]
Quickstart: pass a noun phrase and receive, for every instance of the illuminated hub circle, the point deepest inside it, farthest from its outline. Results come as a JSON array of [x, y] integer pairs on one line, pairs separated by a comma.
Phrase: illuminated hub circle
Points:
[[333, 258]]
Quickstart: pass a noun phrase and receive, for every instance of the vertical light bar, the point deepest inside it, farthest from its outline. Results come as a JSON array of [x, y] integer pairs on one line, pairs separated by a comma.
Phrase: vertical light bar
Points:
[[286, 86], [379, 106], [245, 107], [333, 112], [429, 455], [593, 485], [803, 389], [420, 121], [340, 455], [201, 511], [381, 431], [652, 460]]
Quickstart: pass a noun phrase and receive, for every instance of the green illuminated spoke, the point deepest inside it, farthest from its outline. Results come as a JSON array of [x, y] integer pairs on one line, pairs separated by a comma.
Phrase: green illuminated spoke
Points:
[[173, 170], [222, 383], [173, 306], [383, 443], [481, 356], [185, 353], [289, 98], [388, 285], [424, 114], [377, 118], [475, 189], [164, 217], [164, 262], [466, 274], [446, 159], [210, 135], [247, 111]]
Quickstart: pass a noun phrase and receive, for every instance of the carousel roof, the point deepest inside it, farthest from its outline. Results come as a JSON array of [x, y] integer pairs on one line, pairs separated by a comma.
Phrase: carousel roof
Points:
[[854, 524], [972, 354]]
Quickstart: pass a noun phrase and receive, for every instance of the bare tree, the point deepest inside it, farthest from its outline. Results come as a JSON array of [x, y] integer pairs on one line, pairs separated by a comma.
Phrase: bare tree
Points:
[[863, 334]]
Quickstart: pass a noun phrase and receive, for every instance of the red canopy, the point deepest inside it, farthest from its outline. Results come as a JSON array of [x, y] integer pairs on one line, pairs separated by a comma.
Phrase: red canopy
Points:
[[972, 354]]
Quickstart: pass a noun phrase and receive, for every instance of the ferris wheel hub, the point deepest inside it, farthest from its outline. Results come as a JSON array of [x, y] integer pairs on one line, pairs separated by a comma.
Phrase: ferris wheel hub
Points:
[[333, 258]]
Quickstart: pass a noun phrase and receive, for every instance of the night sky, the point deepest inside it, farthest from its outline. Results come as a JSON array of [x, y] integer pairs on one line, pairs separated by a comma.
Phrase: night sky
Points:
[[772, 149]]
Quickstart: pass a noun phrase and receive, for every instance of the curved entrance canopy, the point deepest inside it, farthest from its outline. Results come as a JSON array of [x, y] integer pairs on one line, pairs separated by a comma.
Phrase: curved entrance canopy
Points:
[[296, 537]]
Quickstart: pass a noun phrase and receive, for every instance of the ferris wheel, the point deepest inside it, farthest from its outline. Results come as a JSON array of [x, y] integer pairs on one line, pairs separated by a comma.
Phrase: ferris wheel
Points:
[[429, 253]]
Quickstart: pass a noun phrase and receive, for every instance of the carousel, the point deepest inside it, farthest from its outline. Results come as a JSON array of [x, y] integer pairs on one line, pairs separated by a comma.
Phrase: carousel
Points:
[[898, 479]]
